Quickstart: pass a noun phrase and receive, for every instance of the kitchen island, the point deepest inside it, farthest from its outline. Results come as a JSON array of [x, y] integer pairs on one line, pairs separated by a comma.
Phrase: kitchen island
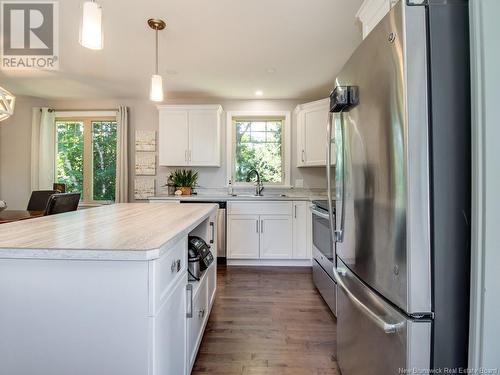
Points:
[[104, 291]]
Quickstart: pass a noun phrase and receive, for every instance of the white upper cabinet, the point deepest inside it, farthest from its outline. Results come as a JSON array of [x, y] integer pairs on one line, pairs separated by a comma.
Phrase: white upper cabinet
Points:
[[371, 12], [173, 138], [311, 133], [189, 135]]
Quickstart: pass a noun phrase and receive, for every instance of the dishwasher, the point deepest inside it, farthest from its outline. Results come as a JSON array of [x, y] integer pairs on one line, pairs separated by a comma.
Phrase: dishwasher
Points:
[[221, 228]]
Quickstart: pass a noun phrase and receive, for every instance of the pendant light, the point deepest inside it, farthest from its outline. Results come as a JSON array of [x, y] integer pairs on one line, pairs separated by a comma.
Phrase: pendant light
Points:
[[91, 28], [156, 92], [7, 102]]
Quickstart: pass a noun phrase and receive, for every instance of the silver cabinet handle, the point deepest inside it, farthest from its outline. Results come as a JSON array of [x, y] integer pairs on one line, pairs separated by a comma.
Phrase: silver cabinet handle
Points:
[[257, 226], [303, 156], [262, 226], [381, 323], [186, 155], [201, 313], [189, 310], [212, 225], [295, 211], [176, 266]]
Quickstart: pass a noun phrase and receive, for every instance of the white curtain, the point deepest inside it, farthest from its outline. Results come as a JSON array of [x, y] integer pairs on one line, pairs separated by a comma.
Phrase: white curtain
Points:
[[121, 193], [42, 149]]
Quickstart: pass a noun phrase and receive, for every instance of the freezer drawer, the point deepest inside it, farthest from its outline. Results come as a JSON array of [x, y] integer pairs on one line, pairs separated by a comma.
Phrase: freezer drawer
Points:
[[373, 337], [326, 286]]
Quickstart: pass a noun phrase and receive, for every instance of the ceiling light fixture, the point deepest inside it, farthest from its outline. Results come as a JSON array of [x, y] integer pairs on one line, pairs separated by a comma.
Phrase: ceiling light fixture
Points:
[[91, 28], [7, 102], [259, 93], [156, 92]]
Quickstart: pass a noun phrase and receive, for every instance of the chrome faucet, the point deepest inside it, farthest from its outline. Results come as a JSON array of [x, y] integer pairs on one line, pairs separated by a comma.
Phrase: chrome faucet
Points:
[[259, 187]]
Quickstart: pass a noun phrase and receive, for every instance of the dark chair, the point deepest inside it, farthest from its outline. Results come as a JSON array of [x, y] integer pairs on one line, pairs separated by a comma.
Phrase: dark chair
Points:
[[39, 198], [61, 188], [63, 202]]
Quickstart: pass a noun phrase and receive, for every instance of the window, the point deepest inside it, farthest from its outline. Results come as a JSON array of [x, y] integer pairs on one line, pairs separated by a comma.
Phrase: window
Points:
[[259, 141], [86, 156]]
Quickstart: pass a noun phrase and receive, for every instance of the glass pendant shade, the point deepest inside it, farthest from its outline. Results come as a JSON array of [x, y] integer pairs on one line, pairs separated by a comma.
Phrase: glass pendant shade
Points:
[[91, 28], [7, 102], [156, 93]]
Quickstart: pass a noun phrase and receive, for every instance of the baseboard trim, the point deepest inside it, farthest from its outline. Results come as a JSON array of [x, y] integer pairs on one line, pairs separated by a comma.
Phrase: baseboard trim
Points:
[[270, 262]]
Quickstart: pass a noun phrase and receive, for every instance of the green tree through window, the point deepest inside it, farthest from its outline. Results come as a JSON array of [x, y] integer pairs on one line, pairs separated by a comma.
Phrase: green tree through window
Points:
[[69, 158], [259, 145], [86, 157], [104, 159]]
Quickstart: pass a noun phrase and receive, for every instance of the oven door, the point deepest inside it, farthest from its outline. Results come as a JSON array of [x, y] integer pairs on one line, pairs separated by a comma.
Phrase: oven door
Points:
[[323, 248]]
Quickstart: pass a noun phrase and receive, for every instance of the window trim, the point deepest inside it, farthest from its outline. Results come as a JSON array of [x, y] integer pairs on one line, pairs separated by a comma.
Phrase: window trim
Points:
[[87, 117], [231, 145]]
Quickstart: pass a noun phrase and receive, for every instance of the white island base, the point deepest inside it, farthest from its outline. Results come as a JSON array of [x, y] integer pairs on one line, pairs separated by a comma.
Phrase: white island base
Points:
[[118, 315]]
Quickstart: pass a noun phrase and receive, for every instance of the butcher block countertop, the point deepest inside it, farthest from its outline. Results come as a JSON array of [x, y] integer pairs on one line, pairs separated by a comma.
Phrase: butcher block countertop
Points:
[[125, 231]]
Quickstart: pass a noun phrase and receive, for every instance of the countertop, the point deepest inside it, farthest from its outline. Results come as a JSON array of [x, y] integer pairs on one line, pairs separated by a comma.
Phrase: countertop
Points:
[[125, 231], [242, 197]]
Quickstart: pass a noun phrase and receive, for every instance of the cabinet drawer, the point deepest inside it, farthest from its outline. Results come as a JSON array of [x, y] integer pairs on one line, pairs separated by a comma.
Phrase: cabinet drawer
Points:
[[260, 208], [196, 322], [166, 271]]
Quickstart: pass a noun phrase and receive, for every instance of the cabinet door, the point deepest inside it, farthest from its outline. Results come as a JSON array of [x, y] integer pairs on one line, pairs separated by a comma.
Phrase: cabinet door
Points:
[[275, 237], [315, 136], [196, 322], [243, 237], [301, 238], [170, 333], [173, 138], [211, 283], [204, 138]]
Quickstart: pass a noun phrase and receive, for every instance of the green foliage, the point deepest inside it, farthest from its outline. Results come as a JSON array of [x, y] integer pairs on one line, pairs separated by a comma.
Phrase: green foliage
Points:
[[259, 146], [104, 159], [69, 158], [183, 178]]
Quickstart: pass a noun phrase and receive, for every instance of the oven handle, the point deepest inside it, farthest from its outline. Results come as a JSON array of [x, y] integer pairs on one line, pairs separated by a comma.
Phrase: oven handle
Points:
[[319, 213]]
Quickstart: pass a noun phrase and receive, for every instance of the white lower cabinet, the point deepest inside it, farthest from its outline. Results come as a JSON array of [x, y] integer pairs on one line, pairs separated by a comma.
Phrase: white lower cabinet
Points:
[[197, 320], [243, 236], [211, 284], [170, 333], [268, 230], [275, 237], [302, 226]]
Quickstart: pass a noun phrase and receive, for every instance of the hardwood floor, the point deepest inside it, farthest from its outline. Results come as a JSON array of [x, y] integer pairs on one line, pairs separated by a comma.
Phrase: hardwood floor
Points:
[[268, 320]]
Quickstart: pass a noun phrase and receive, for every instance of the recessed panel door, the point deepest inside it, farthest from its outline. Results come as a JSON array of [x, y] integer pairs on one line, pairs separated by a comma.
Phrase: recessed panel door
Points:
[[275, 237]]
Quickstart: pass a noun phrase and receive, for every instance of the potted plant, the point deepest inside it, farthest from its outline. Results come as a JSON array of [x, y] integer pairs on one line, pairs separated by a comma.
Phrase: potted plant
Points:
[[184, 180]]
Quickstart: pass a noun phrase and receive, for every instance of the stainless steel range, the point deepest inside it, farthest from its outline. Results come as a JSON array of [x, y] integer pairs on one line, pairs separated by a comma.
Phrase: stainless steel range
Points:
[[323, 253]]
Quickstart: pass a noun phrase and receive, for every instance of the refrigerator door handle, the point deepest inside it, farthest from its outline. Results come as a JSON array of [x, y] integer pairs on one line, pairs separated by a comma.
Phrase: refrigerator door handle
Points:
[[388, 328], [329, 175]]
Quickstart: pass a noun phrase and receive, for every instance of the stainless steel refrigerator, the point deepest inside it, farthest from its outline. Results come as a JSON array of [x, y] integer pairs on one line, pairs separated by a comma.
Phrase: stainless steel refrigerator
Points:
[[400, 128]]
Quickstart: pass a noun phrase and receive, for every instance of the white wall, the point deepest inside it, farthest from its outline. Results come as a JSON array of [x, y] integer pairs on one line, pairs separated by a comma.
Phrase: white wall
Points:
[[15, 155], [485, 280], [15, 136]]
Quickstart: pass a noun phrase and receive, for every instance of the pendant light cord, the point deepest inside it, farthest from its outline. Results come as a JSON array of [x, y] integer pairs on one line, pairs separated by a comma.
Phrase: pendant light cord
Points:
[[157, 53]]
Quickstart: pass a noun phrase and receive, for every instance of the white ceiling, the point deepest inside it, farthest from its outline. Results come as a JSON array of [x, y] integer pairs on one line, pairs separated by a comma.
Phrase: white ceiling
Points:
[[210, 49]]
